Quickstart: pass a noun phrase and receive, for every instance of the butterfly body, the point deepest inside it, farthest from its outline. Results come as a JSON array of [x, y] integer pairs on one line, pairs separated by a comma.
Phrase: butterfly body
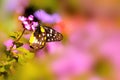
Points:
[[43, 34]]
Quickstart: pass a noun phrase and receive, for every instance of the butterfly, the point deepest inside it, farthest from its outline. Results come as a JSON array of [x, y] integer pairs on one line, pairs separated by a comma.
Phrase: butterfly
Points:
[[43, 34]]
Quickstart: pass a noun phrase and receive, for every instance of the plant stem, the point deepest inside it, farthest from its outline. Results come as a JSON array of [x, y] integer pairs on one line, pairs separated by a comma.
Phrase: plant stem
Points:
[[20, 36], [16, 40]]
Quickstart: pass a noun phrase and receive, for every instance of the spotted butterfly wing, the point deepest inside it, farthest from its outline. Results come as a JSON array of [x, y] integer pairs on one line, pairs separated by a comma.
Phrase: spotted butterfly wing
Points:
[[52, 35], [38, 38], [43, 34]]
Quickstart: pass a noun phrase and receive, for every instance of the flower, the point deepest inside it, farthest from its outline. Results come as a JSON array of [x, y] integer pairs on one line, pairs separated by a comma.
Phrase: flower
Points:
[[28, 23], [8, 44], [72, 62], [47, 18], [17, 6]]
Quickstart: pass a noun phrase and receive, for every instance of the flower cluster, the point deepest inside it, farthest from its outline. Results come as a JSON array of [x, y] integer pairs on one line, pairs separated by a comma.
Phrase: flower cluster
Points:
[[28, 22], [47, 18], [8, 44]]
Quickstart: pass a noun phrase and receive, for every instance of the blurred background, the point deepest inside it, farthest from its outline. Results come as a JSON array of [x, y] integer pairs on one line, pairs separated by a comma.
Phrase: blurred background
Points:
[[90, 49]]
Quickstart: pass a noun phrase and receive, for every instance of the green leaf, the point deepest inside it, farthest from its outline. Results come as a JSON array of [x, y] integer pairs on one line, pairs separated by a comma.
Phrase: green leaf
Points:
[[18, 44], [7, 52], [2, 69], [7, 67], [24, 55], [14, 37]]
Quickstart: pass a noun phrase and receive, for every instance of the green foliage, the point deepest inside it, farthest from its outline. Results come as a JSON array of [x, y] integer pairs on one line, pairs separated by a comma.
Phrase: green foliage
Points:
[[9, 64], [14, 35], [33, 70], [24, 55], [18, 44], [2, 69], [7, 67], [7, 53]]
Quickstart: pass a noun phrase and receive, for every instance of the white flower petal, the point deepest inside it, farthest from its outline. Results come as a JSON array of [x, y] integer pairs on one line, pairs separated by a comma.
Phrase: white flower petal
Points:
[[22, 18], [30, 17], [25, 22], [27, 27]]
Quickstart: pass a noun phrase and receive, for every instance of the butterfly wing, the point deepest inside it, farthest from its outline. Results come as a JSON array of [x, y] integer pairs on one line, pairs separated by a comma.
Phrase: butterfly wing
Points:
[[43, 34], [52, 35], [38, 38]]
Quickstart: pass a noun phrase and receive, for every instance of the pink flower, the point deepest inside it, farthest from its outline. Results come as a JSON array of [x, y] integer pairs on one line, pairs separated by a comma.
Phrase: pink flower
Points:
[[28, 23], [95, 78], [72, 62], [26, 46], [55, 47], [9, 43]]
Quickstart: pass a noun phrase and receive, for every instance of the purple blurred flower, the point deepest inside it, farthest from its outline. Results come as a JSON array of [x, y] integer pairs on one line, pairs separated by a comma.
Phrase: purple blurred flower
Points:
[[28, 23], [9, 43], [41, 54], [27, 36], [110, 48], [15, 5], [26, 46], [55, 47], [47, 18], [72, 62]]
